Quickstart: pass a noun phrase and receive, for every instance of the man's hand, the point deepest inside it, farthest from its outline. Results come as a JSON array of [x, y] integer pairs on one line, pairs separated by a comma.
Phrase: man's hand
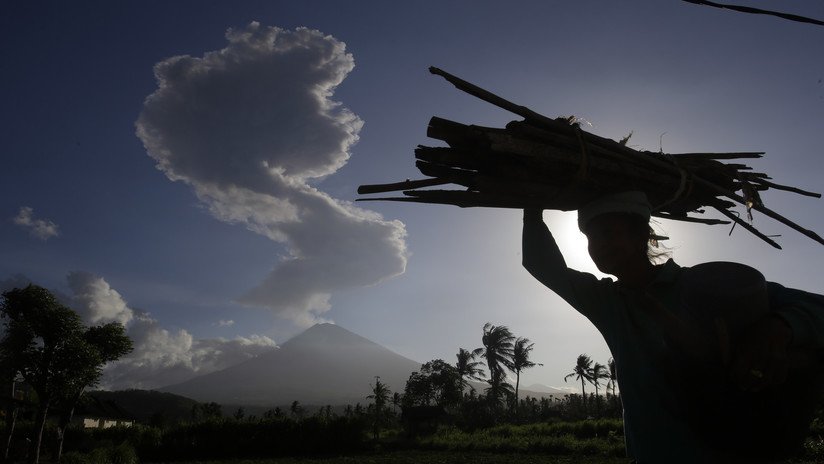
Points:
[[533, 214], [760, 359]]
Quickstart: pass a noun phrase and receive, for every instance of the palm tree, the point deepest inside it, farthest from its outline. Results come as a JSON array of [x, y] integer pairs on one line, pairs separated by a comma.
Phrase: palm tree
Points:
[[520, 360], [468, 368], [296, 409], [396, 401], [380, 393], [598, 373], [497, 388], [613, 376], [497, 349], [582, 371]]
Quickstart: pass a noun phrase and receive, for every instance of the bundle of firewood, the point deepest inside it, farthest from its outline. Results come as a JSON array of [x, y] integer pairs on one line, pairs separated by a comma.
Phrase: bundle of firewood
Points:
[[553, 164]]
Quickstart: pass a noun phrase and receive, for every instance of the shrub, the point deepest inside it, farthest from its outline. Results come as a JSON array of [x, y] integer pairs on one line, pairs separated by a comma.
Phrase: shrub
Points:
[[602, 438], [122, 453], [73, 457]]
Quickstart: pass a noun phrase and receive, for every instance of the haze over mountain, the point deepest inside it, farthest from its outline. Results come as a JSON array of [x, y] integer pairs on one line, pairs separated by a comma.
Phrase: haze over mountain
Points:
[[326, 364]]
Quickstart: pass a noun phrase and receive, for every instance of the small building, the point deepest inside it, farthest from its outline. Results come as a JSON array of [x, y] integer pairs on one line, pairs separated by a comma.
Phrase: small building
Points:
[[100, 414], [103, 423]]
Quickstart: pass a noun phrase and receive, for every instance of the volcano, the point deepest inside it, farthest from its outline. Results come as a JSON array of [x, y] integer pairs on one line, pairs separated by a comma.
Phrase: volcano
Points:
[[326, 364]]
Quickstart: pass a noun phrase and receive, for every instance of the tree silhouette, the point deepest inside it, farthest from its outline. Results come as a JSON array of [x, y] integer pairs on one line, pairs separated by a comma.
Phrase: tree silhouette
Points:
[[9, 377], [53, 352], [468, 368], [598, 373], [613, 377], [437, 381], [418, 390], [212, 410], [520, 360], [296, 409], [497, 350], [582, 372], [396, 401], [498, 388], [380, 394], [108, 343]]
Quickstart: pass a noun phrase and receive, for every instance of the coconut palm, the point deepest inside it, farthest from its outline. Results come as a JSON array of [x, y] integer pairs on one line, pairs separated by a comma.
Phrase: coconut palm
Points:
[[582, 372], [380, 394], [613, 376], [520, 360], [498, 388], [397, 399], [497, 349], [468, 368], [599, 372]]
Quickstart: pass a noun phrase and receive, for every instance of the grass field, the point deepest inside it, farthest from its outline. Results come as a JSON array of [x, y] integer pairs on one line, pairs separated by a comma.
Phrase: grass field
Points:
[[436, 457], [444, 457]]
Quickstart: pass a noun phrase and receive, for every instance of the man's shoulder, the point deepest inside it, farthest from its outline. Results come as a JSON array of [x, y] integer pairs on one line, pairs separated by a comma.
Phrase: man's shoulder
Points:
[[669, 272]]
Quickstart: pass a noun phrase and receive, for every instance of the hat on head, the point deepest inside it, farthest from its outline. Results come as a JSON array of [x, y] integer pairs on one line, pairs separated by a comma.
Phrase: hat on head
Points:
[[634, 202]]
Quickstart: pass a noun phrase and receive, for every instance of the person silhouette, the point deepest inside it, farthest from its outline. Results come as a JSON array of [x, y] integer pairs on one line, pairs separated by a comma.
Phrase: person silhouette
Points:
[[671, 345]]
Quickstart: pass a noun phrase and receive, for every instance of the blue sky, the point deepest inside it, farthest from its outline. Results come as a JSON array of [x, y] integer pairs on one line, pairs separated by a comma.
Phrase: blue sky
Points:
[[85, 210]]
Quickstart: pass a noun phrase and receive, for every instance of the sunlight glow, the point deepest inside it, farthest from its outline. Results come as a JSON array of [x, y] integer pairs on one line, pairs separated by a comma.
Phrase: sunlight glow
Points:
[[573, 243]]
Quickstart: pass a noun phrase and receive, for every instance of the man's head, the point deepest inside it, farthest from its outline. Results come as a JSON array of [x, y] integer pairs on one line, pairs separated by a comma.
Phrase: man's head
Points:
[[617, 230], [633, 202]]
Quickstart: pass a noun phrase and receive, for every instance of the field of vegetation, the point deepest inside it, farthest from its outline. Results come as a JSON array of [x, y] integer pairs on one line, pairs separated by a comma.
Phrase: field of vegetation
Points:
[[329, 438], [438, 418]]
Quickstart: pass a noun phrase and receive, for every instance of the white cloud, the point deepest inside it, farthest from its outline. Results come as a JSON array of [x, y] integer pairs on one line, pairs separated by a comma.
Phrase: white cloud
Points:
[[248, 127], [96, 301], [160, 357], [40, 228], [225, 323]]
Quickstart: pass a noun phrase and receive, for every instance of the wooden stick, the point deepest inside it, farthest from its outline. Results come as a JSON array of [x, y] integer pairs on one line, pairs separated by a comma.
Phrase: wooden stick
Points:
[[490, 97], [690, 219], [761, 209], [397, 186], [553, 164], [719, 156], [747, 226], [788, 189]]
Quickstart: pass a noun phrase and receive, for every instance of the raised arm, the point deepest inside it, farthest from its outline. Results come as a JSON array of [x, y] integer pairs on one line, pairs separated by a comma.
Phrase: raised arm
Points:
[[543, 259], [541, 255]]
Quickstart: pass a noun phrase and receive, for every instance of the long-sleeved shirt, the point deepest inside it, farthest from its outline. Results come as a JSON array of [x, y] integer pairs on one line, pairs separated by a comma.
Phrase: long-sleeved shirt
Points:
[[655, 428]]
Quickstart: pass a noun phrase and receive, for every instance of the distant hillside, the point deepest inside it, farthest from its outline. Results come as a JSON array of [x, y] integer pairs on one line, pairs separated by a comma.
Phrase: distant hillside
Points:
[[326, 364], [145, 405], [537, 390]]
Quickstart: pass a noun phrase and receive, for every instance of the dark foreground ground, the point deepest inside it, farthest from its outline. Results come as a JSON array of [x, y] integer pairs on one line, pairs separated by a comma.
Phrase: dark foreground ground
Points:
[[434, 457], [443, 457]]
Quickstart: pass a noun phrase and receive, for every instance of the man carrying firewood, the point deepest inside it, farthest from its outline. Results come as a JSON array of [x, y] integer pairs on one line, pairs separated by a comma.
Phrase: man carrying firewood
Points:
[[672, 339]]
